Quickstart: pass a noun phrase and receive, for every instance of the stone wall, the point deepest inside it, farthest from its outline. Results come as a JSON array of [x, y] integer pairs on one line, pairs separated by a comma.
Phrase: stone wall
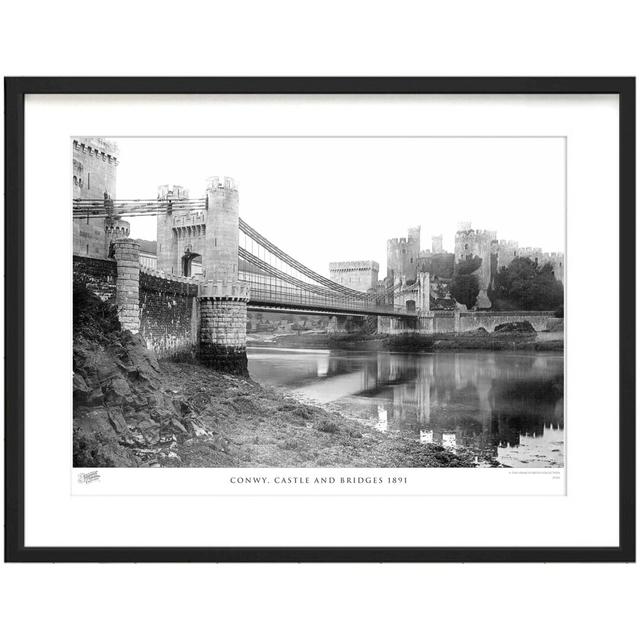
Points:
[[223, 334], [168, 315], [164, 307], [97, 275], [459, 322], [470, 321]]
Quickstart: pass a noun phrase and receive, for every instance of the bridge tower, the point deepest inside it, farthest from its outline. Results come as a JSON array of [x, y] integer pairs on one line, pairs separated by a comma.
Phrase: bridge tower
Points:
[[222, 298]]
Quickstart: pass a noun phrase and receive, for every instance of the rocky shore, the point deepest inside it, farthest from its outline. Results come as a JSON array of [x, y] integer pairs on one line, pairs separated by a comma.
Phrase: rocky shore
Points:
[[131, 411]]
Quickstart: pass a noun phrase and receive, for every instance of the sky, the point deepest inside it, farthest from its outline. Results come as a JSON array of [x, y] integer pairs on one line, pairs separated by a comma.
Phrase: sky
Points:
[[330, 199]]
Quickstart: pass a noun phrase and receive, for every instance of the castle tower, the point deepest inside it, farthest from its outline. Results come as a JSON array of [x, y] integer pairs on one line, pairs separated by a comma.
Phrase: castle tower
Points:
[[436, 244], [94, 178], [471, 243], [220, 259], [223, 299], [414, 235], [403, 255]]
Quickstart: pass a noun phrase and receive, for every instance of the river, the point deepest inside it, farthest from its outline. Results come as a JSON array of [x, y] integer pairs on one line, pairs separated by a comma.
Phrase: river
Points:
[[509, 407]]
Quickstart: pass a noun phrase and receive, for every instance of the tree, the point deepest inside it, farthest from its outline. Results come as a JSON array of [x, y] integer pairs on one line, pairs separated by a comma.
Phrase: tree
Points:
[[465, 286], [525, 286]]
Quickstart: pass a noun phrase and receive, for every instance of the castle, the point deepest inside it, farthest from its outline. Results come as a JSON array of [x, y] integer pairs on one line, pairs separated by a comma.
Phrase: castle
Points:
[[406, 261], [191, 242]]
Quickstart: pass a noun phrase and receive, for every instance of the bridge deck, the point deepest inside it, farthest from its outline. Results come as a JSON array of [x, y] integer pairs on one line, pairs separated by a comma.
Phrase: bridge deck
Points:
[[316, 303]]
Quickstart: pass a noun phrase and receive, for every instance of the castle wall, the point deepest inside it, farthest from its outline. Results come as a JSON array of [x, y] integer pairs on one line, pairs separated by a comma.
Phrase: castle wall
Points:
[[167, 306], [439, 265], [97, 275], [168, 315]]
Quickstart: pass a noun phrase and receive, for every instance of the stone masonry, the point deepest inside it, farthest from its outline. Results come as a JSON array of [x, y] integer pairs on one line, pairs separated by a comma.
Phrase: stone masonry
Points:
[[223, 327], [361, 275], [127, 255]]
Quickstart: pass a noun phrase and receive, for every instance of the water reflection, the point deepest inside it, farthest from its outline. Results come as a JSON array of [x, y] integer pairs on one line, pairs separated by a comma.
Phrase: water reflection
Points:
[[507, 406]]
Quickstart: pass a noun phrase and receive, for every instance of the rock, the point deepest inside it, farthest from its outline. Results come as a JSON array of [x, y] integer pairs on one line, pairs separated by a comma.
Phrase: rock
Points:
[[96, 443], [117, 391], [177, 426], [515, 327]]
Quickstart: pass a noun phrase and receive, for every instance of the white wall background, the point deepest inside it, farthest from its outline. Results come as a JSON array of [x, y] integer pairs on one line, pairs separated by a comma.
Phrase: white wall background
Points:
[[328, 38]]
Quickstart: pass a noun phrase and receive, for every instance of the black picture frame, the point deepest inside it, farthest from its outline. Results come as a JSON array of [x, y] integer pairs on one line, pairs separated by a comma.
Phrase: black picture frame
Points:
[[15, 91]]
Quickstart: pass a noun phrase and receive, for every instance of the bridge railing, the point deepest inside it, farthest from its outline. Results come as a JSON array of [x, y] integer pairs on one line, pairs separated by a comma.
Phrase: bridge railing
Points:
[[296, 298]]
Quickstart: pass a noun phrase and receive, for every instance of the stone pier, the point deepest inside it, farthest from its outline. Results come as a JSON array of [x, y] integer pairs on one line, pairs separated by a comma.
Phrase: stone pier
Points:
[[222, 343], [127, 256]]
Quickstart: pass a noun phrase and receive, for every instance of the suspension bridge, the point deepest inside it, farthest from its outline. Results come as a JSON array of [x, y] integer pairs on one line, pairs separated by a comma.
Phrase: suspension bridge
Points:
[[213, 231]]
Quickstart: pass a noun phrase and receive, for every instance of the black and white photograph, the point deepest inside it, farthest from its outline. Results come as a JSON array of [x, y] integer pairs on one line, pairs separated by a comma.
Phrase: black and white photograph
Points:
[[332, 326], [319, 301]]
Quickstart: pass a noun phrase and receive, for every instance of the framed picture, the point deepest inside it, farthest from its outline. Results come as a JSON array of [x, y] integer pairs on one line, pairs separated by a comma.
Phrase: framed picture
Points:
[[320, 319]]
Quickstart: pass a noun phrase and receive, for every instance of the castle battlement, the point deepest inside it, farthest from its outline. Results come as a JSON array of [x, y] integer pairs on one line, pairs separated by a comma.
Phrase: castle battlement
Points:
[[221, 183], [535, 250], [354, 265], [490, 234], [173, 192], [228, 290], [188, 219], [98, 147], [156, 273], [392, 241]]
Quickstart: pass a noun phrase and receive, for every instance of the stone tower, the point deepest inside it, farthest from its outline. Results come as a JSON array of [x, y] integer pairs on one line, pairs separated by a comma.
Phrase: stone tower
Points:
[[403, 254], [95, 162], [220, 259], [223, 299], [471, 243]]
